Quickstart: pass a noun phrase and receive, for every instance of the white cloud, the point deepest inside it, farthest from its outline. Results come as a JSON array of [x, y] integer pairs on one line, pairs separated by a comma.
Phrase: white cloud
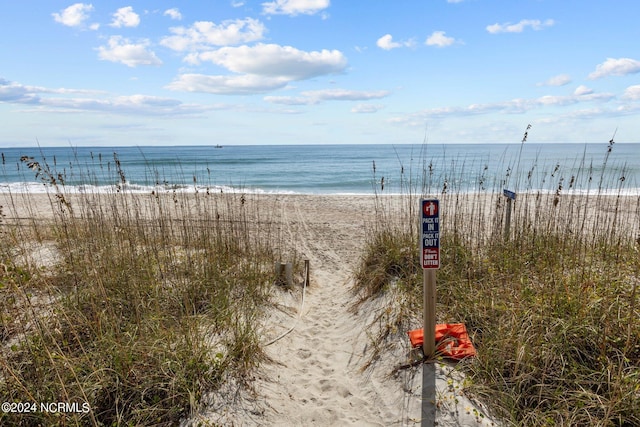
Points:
[[317, 96], [273, 60], [438, 38], [125, 17], [581, 94], [294, 7], [74, 15], [17, 93], [290, 100], [127, 105], [131, 54], [535, 24], [386, 42], [513, 106], [632, 93], [204, 34], [582, 90], [344, 94], [259, 69], [148, 100], [559, 80], [367, 108], [173, 13], [615, 67], [246, 84], [121, 104]]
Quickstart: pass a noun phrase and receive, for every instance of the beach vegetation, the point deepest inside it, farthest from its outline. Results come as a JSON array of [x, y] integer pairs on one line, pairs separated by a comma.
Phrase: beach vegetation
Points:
[[128, 309], [551, 302]]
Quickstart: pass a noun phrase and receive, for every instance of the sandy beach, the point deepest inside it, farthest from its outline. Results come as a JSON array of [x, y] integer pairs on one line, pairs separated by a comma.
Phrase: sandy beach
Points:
[[318, 342], [318, 374]]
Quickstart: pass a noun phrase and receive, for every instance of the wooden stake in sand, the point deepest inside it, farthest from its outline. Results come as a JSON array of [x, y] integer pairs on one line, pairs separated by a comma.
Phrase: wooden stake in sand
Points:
[[284, 273], [430, 216], [510, 195]]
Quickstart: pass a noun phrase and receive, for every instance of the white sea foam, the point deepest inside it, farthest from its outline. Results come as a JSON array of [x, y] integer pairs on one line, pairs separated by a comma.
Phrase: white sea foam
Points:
[[41, 188]]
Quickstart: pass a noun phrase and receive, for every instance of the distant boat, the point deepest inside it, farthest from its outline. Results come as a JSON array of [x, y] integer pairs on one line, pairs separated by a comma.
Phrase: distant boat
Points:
[[218, 146]]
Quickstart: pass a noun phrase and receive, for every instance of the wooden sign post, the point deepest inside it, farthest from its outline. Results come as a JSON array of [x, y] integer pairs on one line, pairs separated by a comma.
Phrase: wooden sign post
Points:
[[429, 313], [511, 196], [430, 215]]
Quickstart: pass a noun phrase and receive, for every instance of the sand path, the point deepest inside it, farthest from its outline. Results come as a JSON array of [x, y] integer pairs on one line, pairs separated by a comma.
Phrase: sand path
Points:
[[317, 379], [316, 375]]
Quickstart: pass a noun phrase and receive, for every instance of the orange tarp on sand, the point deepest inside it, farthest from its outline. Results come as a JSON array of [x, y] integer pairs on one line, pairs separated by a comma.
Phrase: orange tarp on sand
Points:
[[452, 340]]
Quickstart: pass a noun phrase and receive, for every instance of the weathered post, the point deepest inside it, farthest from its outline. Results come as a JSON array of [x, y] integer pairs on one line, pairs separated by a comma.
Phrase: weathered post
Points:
[[430, 255], [306, 269], [429, 313], [279, 272], [284, 273], [288, 274], [511, 196], [430, 216]]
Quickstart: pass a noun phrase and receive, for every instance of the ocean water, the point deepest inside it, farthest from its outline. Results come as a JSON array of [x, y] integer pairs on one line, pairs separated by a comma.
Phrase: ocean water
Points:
[[327, 169]]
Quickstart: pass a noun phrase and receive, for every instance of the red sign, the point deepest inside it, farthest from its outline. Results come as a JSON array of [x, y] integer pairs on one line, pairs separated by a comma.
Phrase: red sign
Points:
[[430, 258], [430, 208]]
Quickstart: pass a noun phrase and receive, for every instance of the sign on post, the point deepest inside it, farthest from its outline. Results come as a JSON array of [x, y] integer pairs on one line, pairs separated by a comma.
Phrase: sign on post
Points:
[[430, 233], [509, 194]]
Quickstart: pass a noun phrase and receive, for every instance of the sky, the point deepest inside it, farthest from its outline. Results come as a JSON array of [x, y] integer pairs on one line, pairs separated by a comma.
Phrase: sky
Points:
[[228, 72]]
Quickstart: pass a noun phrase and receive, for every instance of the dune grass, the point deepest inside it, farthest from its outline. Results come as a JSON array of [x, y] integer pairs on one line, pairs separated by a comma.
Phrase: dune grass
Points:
[[153, 301], [553, 307]]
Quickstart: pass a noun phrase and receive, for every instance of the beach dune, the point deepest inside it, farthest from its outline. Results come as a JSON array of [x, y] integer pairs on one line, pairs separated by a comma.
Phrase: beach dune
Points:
[[321, 373]]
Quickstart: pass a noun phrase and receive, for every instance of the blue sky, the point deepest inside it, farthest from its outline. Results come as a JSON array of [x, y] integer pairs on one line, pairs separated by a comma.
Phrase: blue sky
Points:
[[318, 72]]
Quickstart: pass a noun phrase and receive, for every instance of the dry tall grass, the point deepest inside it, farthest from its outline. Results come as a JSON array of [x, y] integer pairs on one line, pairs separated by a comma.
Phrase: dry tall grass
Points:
[[152, 302], [552, 306]]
